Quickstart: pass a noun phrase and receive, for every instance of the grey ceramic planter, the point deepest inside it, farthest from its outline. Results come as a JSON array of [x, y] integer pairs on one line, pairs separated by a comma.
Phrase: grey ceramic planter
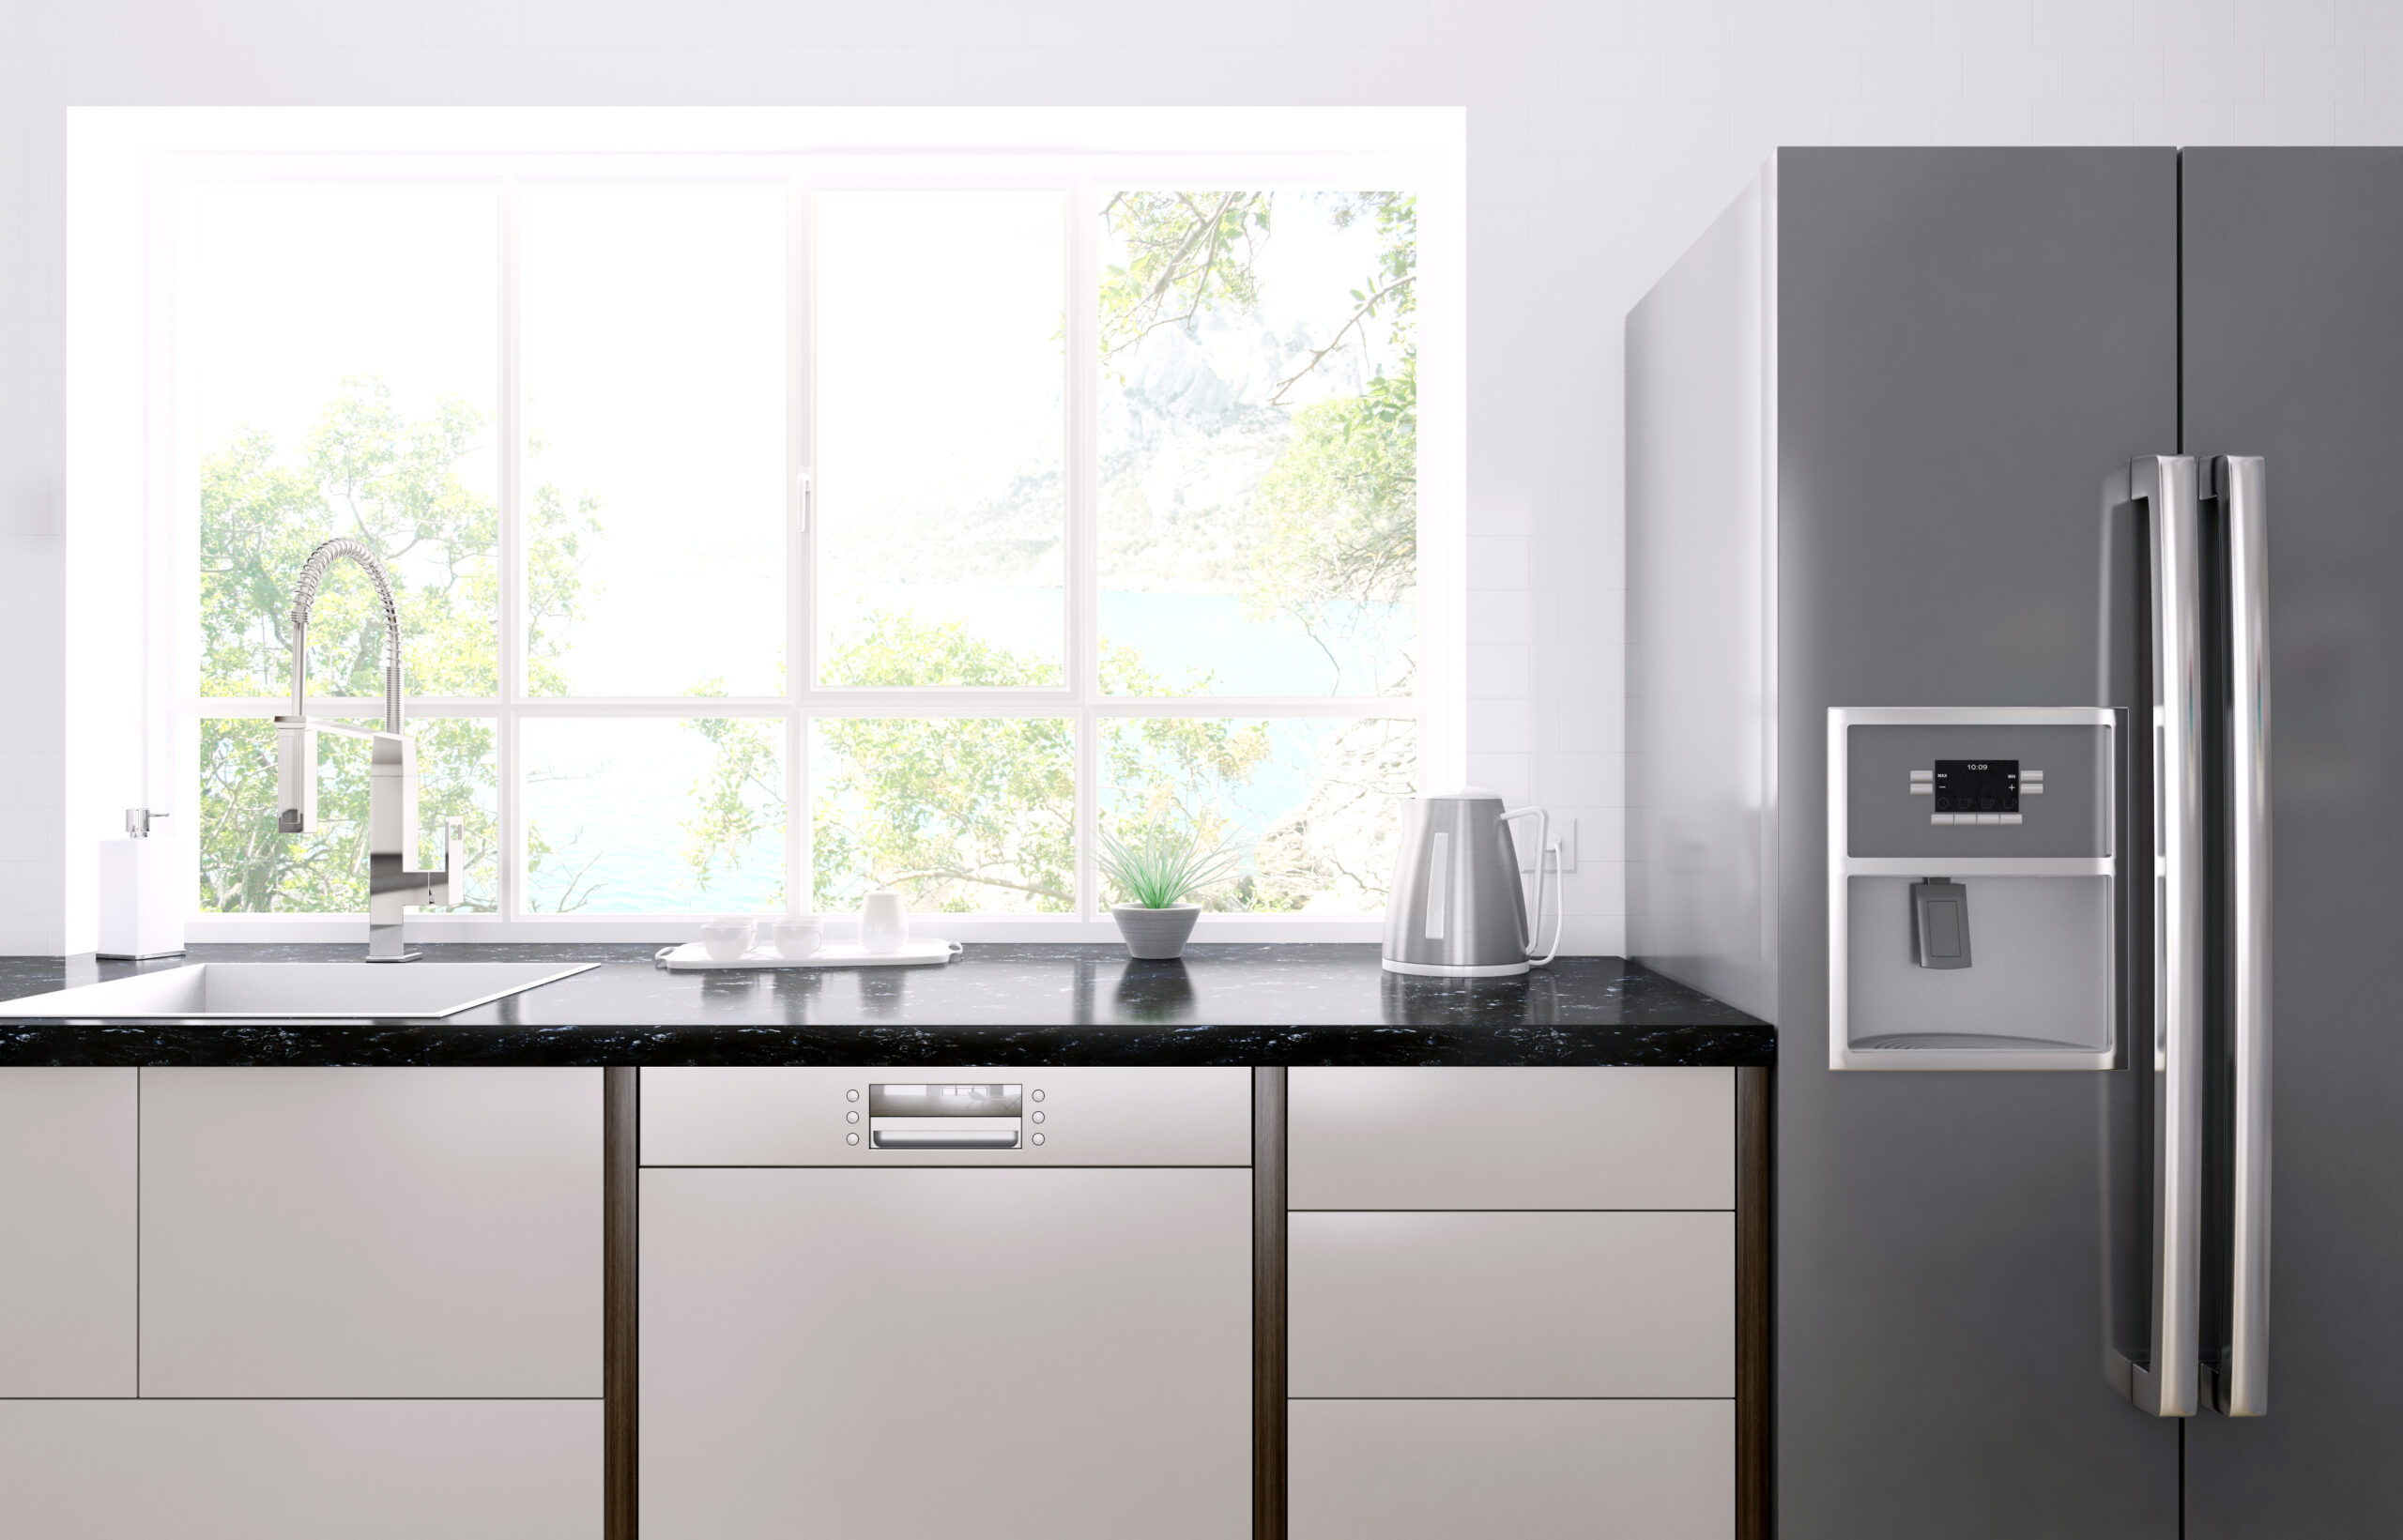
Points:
[[1155, 932]]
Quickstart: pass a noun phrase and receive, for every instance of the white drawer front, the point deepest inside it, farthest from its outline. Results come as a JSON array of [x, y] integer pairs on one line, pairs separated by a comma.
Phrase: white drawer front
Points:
[[1528, 1470], [301, 1470], [806, 1117], [369, 1233], [1511, 1138], [67, 1231], [1503, 1305]]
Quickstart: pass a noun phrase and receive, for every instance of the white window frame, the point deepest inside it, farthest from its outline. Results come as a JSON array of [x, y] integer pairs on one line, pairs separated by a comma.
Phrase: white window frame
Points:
[[1414, 149]]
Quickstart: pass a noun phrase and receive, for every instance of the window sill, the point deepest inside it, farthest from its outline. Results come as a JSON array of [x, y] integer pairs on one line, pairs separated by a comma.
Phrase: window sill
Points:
[[1257, 928]]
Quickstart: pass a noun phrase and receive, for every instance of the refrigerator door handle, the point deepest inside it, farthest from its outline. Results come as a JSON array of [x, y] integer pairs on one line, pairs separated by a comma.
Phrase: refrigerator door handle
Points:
[[2164, 1383], [2238, 1380]]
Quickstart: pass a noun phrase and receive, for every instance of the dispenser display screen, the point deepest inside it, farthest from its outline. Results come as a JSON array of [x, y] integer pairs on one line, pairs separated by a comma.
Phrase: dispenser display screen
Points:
[[1977, 785]]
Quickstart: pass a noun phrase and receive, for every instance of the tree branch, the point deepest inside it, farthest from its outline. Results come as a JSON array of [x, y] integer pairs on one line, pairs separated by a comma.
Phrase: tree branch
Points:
[[1368, 308]]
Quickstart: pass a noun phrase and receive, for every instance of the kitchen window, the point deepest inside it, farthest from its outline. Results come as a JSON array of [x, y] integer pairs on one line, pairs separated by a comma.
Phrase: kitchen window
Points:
[[766, 530]]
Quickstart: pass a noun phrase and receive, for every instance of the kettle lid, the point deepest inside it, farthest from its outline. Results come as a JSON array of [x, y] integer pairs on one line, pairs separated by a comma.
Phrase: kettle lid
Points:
[[1462, 794]]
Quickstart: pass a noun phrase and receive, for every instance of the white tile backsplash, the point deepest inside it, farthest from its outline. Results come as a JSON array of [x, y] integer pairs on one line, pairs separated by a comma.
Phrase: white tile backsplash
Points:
[[2313, 74], [1497, 672], [1501, 725], [1603, 135]]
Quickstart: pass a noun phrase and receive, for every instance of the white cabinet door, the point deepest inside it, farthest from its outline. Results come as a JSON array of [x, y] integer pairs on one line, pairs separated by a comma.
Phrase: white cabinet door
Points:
[[1525, 1469], [1014, 1354], [370, 1232], [1511, 1138], [68, 1201], [1510, 1304], [301, 1470]]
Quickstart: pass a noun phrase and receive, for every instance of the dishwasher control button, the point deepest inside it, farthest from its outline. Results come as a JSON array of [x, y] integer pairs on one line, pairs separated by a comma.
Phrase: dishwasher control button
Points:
[[851, 1138], [1038, 1138], [851, 1096], [850, 1117], [1038, 1096], [1038, 1116]]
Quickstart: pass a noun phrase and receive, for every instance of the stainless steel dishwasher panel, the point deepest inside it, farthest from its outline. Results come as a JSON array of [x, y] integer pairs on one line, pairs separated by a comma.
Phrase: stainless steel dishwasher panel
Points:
[[1030, 1116], [1052, 1354]]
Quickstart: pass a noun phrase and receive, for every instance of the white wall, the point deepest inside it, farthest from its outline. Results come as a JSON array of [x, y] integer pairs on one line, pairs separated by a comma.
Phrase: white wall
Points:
[[1603, 134]]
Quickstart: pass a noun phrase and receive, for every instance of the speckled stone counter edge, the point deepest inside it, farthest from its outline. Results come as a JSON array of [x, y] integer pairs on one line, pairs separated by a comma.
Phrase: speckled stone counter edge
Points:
[[999, 1005]]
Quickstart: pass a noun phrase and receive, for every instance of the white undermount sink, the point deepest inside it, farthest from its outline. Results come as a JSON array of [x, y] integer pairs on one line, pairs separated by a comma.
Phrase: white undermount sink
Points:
[[274, 991]]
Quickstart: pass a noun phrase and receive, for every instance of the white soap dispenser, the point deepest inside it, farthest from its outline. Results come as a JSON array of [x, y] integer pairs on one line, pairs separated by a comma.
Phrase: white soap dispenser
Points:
[[140, 915]]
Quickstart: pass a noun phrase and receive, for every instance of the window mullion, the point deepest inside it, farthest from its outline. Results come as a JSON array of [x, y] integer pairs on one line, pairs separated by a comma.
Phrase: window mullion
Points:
[[507, 431], [801, 546], [1083, 442]]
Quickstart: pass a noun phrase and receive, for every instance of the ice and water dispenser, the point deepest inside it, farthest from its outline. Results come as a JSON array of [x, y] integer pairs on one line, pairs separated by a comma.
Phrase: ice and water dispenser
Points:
[[1972, 916]]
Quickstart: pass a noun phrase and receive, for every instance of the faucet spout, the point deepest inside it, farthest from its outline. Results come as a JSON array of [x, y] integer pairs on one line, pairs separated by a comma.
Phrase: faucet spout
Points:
[[296, 739], [394, 881], [304, 599]]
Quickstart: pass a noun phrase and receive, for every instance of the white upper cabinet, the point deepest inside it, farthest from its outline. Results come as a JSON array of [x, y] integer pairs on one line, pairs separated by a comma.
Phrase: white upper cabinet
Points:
[[370, 1232], [68, 1201]]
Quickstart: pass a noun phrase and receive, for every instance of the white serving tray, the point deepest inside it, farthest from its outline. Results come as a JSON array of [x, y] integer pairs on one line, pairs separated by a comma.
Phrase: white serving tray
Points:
[[692, 957]]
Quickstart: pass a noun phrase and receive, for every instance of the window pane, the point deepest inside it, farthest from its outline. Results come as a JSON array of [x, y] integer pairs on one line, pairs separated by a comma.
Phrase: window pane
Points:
[[939, 497], [973, 815], [247, 867], [654, 815], [1309, 804], [335, 354], [654, 503], [1258, 461]]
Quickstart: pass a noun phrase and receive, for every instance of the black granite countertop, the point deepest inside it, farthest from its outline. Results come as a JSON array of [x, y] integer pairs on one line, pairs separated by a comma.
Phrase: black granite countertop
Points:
[[996, 1004]]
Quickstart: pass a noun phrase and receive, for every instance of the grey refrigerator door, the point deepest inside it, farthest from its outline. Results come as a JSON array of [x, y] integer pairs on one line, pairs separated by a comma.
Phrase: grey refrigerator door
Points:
[[1968, 342], [2294, 318]]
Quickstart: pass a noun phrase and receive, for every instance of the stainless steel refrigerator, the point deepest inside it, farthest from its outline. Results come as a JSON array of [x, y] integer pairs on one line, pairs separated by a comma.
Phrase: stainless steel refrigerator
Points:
[[2016, 570]]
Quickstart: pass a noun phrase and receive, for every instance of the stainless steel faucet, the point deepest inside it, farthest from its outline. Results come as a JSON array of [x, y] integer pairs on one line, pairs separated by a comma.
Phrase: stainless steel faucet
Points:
[[393, 881]]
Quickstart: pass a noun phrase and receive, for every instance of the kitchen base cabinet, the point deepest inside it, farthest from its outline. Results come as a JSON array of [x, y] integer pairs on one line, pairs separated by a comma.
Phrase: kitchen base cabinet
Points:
[[1019, 1354], [1513, 1304], [301, 1470], [1424, 1137], [370, 1232], [1393, 1304], [1528, 1470], [67, 1206]]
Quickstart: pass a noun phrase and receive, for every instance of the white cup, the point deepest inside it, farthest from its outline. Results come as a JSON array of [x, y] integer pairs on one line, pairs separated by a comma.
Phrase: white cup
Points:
[[726, 937], [799, 934], [884, 924]]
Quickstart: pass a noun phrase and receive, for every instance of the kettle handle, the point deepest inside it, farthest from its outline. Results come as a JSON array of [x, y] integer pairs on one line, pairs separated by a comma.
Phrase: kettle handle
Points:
[[1559, 904]]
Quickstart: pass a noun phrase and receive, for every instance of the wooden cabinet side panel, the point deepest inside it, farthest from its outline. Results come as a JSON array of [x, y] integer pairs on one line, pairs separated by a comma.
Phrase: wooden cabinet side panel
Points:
[[68, 1139]]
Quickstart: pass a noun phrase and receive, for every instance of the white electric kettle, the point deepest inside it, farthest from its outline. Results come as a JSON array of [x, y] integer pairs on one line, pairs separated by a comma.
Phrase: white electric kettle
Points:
[[1457, 909]]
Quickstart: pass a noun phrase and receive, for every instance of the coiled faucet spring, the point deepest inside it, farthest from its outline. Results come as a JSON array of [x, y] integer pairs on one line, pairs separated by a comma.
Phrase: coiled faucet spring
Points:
[[304, 599]]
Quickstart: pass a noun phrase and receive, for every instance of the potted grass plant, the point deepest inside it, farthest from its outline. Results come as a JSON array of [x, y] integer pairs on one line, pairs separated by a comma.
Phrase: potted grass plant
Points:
[[1155, 871]]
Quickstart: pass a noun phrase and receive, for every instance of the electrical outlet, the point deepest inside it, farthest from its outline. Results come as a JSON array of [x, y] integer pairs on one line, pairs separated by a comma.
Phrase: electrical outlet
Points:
[[1560, 832]]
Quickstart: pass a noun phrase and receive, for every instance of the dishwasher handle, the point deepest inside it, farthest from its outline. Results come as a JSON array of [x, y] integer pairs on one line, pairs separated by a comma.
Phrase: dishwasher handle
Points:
[[943, 1133]]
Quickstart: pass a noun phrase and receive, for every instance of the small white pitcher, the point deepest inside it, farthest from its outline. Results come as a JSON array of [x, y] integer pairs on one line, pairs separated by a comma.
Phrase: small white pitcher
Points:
[[885, 923]]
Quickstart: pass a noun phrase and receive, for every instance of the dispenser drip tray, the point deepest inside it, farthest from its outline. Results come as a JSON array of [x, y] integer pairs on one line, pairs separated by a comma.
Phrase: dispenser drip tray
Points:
[[2039, 980]]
